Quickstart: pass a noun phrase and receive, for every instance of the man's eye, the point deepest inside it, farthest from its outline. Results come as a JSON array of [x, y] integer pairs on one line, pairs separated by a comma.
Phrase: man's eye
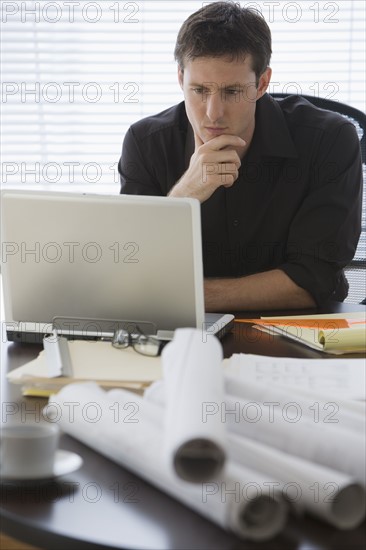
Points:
[[199, 90], [232, 91]]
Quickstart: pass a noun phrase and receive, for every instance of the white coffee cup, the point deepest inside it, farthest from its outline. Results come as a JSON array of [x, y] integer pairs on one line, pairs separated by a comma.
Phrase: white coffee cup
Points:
[[27, 451]]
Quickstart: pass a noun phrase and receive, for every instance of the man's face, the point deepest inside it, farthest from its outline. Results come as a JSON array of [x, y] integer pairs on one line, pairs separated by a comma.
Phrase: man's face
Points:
[[220, 96]]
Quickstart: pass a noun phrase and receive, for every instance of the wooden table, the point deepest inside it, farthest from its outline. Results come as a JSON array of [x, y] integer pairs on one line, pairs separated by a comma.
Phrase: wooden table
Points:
[[102, 505]]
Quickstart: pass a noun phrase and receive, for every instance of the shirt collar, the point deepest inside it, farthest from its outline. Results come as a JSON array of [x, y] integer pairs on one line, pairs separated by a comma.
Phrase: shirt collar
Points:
[[271, 130]]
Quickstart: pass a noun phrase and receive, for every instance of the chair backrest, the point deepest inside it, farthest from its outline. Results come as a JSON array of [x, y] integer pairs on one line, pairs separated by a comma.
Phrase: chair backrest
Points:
[[356, 270]]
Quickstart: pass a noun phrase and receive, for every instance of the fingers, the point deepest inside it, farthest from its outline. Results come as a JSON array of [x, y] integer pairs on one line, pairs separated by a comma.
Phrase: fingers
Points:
[[220, 142], [225, 141], [226, 156], [216, 174], [213, 164], [219, 160]]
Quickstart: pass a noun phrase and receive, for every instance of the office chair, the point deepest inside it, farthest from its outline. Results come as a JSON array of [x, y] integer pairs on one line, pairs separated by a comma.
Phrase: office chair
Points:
[[356, 270]]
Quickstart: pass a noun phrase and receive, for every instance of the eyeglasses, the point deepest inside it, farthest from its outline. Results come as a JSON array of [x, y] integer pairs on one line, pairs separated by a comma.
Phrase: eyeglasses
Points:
[[142, 343]]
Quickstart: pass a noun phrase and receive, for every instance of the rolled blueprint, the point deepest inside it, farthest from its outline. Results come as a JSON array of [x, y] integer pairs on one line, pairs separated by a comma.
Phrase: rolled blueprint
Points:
[[332, 411], [134, 440], [287, 429], [322, 491], [290, 431], [192, 370]]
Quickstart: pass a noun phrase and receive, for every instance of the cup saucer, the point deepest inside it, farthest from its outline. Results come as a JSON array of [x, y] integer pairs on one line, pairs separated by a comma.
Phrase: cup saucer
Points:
[[66, 462]]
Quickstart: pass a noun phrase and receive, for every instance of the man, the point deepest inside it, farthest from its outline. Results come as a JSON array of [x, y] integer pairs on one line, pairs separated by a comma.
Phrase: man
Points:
[[279, 182]]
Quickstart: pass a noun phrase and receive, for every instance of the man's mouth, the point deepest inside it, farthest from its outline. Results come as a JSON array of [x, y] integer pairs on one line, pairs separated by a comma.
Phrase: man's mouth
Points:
[[214, 130]]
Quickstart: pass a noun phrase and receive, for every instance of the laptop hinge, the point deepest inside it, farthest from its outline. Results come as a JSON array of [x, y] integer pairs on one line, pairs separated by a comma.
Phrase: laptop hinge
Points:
[[87, 328]]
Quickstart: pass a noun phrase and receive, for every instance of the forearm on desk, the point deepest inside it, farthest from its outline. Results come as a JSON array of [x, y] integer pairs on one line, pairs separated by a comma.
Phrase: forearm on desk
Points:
[[268, 290]]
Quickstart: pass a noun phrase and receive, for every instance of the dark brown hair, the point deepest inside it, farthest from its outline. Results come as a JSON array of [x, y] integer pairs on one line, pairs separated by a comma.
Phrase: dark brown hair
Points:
[[224, 29]]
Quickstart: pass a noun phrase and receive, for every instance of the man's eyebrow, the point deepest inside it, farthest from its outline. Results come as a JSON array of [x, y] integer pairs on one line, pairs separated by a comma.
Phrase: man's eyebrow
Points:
[[201, 84], [207, 84]]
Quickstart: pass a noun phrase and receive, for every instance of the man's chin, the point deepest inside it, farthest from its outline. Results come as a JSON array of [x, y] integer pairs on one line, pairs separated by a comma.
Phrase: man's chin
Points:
[[209, 135]]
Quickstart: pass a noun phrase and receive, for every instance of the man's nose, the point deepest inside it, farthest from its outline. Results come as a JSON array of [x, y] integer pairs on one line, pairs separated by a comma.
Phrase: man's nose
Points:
[[214, 106]]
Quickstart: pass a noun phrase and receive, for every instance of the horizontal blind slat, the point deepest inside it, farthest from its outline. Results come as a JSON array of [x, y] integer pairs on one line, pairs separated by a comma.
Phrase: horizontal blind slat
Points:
[[318, 50]]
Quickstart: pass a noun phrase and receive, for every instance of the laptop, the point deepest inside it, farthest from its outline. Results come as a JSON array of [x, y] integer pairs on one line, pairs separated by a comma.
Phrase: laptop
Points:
[[88, 265]]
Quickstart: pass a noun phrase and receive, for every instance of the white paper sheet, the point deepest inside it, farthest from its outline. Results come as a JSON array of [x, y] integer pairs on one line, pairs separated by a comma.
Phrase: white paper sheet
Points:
[[134, 440], [342, 377], [193, 374]]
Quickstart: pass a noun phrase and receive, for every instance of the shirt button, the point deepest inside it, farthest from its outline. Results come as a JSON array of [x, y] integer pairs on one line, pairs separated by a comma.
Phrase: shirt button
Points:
[[235, 223]]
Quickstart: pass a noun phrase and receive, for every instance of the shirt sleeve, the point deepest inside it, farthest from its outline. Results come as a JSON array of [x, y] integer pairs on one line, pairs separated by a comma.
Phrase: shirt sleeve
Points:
[[136, 177], [324, 233]]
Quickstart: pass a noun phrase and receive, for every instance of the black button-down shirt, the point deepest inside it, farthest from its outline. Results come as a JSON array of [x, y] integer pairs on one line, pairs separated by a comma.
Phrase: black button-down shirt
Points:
[[296, 204]]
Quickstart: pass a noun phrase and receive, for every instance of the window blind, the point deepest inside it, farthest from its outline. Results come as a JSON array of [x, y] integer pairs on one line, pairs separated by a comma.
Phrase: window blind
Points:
[[76, 74]]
